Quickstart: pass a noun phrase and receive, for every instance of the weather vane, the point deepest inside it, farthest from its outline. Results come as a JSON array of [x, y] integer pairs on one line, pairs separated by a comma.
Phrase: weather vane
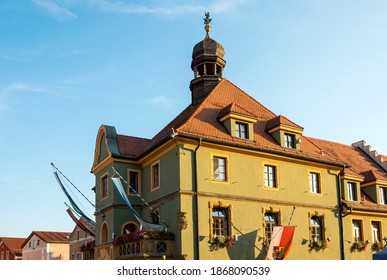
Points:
[[207, 21]]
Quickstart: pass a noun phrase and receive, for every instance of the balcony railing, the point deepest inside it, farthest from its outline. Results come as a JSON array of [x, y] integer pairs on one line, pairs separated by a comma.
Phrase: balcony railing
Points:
[[145, 249], [144, 245]]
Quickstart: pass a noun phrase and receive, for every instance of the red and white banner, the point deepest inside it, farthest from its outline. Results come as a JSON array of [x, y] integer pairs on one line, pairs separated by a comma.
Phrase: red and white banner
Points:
[[280, 244]]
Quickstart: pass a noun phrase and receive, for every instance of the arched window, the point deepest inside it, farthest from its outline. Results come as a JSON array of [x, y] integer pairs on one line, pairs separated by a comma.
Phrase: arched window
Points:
[[129, 228], [104, 233]]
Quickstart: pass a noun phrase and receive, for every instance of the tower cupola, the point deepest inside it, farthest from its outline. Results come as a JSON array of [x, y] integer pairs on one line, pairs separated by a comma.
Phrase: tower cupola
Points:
[[207, 64]]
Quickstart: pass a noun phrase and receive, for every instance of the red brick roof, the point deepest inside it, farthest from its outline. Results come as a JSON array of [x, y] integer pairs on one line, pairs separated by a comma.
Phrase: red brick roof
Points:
[[14, 244], [50, 237]]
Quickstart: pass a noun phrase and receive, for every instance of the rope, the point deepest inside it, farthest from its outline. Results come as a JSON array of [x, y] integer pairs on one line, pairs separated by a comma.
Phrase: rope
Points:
[[73, 185]]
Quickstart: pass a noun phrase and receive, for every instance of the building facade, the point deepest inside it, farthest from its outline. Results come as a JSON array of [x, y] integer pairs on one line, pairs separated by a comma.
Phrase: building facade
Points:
[[225, 172]]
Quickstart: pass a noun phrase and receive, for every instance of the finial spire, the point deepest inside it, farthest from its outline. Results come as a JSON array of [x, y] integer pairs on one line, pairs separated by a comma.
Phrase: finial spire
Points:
[[207, 21]]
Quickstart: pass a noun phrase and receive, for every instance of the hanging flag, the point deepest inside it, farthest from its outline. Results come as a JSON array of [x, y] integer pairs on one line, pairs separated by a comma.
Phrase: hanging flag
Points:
[[144, 224], [281, 242], [72, 202]]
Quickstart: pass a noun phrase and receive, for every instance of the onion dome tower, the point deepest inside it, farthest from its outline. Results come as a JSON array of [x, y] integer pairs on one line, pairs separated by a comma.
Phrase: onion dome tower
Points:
[[207, 64]]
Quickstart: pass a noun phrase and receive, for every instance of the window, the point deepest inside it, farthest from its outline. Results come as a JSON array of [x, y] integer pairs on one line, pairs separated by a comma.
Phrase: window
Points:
[[352, 194], [38, 242], [155, 175], [241, 130], [290, 141], [104, 233], [270, 176], [104, 186], [383, 195], [220, 221], [376, 234], [155, 215], [314, 182], [357, 230], [133, 182], [7, 255], [2, 256], [271, 220], [220, 170], [316, 228]]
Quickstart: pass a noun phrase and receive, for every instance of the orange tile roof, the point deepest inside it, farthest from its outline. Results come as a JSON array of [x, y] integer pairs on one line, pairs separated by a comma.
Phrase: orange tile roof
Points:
[[365, 204], [360, 164], [202, 121], [14, 244]]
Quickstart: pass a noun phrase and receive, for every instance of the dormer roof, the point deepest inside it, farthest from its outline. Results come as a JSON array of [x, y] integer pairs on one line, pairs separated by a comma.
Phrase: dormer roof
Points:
[[282, 121]]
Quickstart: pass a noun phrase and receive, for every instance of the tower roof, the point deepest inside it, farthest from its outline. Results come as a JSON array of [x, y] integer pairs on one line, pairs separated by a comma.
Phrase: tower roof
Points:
[[208, 47]]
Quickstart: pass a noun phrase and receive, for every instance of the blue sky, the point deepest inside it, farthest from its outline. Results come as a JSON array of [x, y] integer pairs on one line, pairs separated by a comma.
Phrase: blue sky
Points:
[[68, 66]]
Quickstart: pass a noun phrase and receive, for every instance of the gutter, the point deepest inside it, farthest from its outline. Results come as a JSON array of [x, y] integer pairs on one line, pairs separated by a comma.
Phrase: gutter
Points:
[[196, 205], [281, 153], [339, 215]]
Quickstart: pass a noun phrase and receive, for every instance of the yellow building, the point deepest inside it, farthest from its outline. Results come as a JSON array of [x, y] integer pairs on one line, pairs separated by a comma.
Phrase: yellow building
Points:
[[225, 172]]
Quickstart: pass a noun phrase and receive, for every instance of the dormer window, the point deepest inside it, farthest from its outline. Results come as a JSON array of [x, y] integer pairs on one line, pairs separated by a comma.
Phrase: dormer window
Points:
[[285, 132], [241, 130], [290, 141], [238, 122], [352, 193]]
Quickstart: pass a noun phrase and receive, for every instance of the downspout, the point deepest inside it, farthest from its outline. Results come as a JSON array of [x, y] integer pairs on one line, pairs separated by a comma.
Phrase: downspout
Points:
[[196, 205], [340, 216]]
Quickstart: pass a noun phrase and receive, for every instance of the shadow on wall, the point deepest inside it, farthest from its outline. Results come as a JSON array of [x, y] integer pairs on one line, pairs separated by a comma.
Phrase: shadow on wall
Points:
[[245, 248]]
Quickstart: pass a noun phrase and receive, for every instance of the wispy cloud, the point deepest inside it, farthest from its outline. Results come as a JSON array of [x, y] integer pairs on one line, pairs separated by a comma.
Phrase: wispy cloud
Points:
[[172, 10], [20, 87], [55, 10], [61, 9], [162, 101], [17, 87]]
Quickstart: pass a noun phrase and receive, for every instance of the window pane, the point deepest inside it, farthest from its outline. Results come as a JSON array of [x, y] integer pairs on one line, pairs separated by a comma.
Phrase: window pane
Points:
[[357, 230], [220, 221], [316, 228], [270, 176], [133, 181], [241, 130], [290, 141], [271, 220], [220, 169], [314, 183], [352, 191]]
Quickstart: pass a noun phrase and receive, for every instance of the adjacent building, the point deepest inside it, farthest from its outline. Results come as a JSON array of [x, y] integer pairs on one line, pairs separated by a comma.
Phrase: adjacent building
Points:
[[10, 248], [226, 171], [82, 239], [46, 245]]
